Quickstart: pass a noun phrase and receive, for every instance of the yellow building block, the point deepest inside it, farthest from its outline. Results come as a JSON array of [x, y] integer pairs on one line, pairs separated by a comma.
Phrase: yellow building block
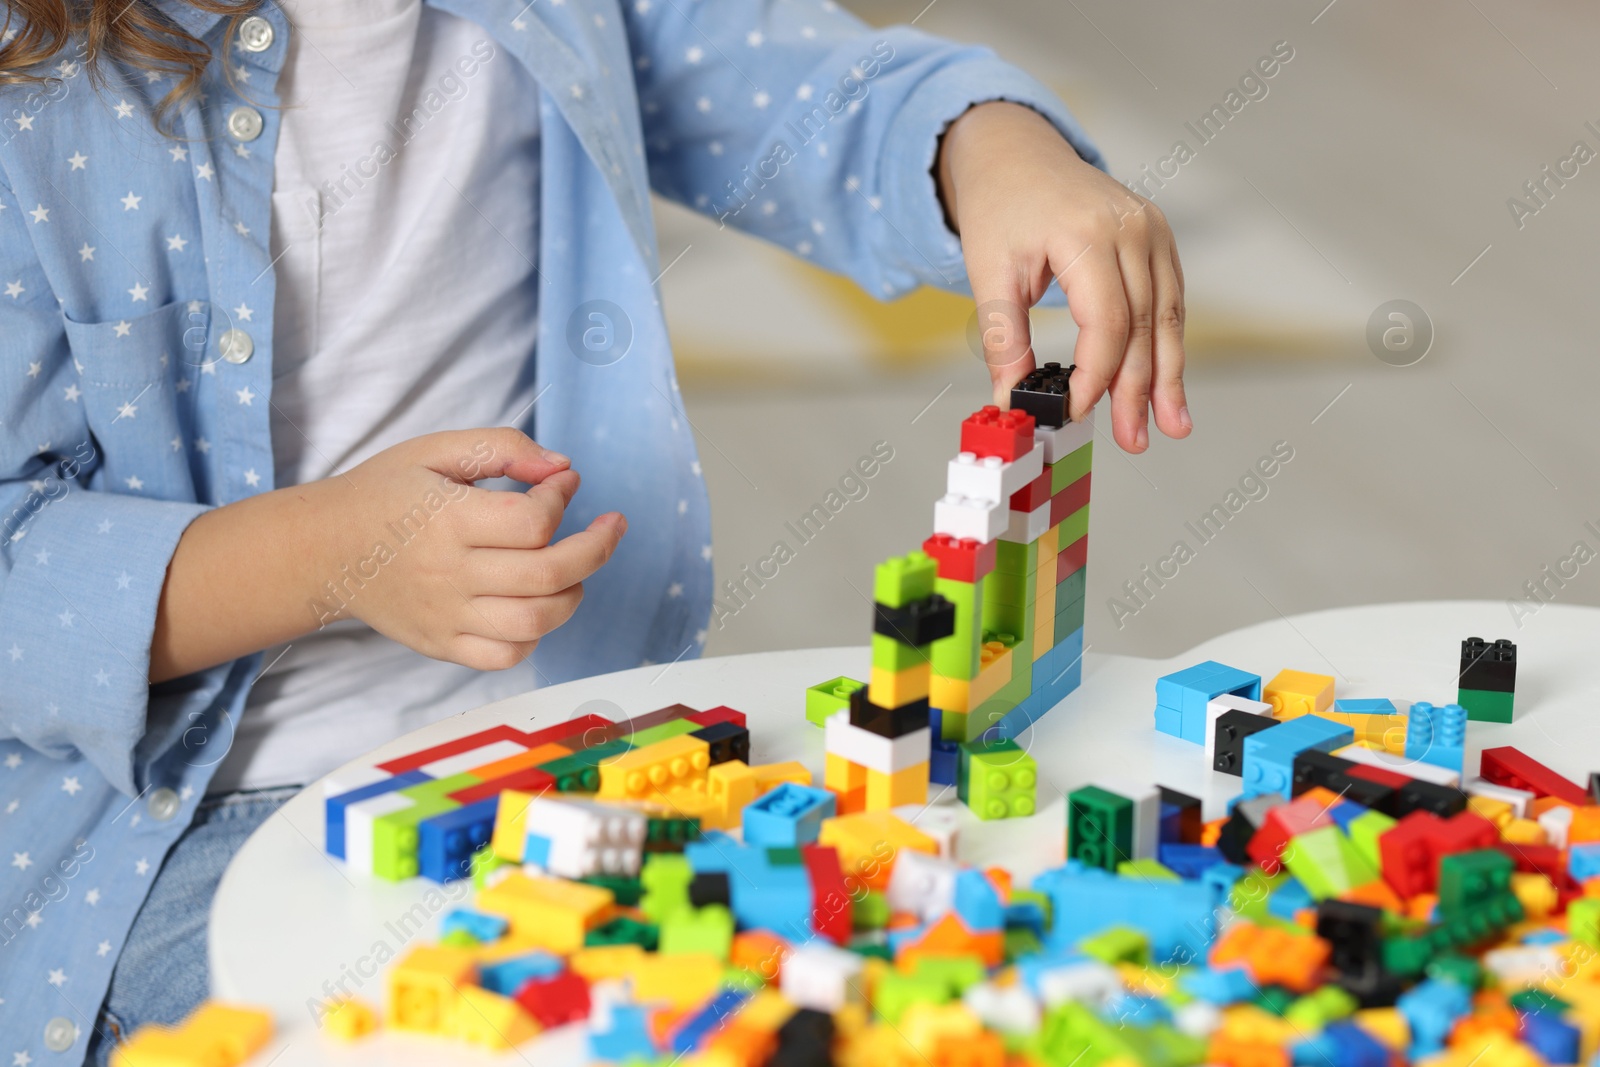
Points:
[[349, 1020], [949, 694], [892, 689], [492, 1021], [1296, 693], [1523, 832], [772, 775], [1386, 1025], [1535, 893], [665, 765], [1387, 732], [690, 803], [1246, 1022], [994, 671], [1498, 812], [424, 989], [214, 1035], [1044, 610], [159, 1046], [731, 786], [924, 1025], [1050, 548], [842, 775], [1490, 1047], [767, 1010], [605, 961], [868, 841], [551, 912], [680, 980], [909, 786], [510, 835]]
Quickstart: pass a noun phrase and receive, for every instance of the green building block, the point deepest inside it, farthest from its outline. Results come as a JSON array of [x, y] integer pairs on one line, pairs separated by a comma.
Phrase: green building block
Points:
[[1273, 998], [1148, 869], [743, 979], [624, 931], [1030, 896], [1013, 557], [1072, 1035], [669, 833], [871, 911], [440, 788], [896, 992], [580, 771], [1485, 706], [1470, 879], [1583, 921], [785, 857], [627, 891], [1099, 827], [1320, 1007], [1462, 970], [1118, 944], [956, 656], [1326, 862], [1020, 943], [665, 877], [1074, 527], [1539, 1000], [701, 930], [957, 973], [484, 862], [1070, 467], [1364, 831], [664, 731], [827, 698], [997, 779], [901, 580], [394, 837], [459, 938], [892, 654]]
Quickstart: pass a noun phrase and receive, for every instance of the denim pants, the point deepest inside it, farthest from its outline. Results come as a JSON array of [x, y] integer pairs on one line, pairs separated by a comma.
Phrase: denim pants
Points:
[[161, 974]]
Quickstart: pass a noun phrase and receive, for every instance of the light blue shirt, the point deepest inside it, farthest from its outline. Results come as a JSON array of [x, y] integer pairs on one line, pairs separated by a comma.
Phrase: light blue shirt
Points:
[[124, 256]]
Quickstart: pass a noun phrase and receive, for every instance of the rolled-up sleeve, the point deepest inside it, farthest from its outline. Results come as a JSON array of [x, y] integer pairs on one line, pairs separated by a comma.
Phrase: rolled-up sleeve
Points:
[[81, 569], [800, 124]]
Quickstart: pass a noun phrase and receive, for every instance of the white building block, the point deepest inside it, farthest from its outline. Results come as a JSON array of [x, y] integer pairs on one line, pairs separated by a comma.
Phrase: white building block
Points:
[[1090, 982], [1198, 1018], [964, 516], [1520, 799], [990, 477], [1146, 813], [922, 884], [1216, 708], [1054, 442], [886, 755], [1009, 1009], [1557, 823], [583, 839], [462, 762], [1522, 965], [358, 820], [1025, 527], [1411, 768], [942, 822], [821, 977]]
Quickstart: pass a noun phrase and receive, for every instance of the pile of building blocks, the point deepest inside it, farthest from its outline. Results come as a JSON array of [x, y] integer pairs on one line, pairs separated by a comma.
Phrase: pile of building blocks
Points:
[[981, 631]]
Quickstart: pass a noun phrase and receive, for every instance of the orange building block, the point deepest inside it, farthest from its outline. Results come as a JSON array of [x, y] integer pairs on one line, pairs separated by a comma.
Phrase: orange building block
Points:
[[1272, 956], [950, 937], [1226, 1051], [760, 952], [533, 757]]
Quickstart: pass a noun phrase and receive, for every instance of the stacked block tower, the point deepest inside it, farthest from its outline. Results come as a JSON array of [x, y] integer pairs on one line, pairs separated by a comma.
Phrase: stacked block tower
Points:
[[981, 631]]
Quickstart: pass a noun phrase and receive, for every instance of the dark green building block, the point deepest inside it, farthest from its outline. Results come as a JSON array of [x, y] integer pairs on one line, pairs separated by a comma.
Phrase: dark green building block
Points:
[[1468, 880], [627, 891], [1099, 827], [624, 931], [1485, 706], [580, 772]]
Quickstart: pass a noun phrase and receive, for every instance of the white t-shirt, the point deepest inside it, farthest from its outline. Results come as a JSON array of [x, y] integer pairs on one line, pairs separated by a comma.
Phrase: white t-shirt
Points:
[[405, 238]]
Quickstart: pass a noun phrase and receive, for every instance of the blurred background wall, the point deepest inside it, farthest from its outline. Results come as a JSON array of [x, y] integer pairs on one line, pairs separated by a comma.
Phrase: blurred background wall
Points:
[[1380, 165]]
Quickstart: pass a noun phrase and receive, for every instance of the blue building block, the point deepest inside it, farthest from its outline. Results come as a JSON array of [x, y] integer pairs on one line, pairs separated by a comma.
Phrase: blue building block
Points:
[[977, 902], [1188, 861], [1289, 898], [1377, 706], [333, 807], [1219, 880], [1437, 735], [1341, 1044], [690, 1035], [626, 1039], [1188, 691], [1555, 1040], [944, 762], [1173, 915], [787, 817], [1432, 1008], [507, 976], [478, 926], [1269, 755], [1346, 812], [763, 895], [1027, 915], [446, 842], [1583, 861], [1220, 987]]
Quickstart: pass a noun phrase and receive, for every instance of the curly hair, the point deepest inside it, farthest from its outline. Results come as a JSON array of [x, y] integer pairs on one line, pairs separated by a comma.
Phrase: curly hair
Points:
[[130, 32]]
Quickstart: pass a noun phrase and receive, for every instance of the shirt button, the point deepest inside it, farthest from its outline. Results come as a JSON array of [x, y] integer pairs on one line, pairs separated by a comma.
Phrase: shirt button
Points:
[[244, 123], [59, 1034], [255, 34], [164, 804], [235, 346]]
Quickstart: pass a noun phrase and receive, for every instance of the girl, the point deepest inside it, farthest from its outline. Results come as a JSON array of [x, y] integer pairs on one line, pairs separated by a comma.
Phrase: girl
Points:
[[283, 285]]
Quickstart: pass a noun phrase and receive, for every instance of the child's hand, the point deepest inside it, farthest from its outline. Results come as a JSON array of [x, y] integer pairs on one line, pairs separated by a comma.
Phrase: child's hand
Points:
[[471, 576], [1029, 210]]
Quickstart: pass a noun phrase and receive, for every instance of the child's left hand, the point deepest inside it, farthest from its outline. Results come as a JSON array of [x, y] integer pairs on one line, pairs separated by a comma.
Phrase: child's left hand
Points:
[[1030, 210]]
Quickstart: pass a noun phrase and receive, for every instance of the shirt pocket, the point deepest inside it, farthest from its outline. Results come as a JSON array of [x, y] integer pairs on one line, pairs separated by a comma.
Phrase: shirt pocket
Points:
[[145, 348]]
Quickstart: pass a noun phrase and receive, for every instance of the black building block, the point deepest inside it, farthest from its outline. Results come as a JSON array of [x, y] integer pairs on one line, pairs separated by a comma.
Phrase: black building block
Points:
[[1491, 667], [727, 741], [921, 622], [1443, 800], [1180, 818], [1313, 768], [1231, 729], [710, 887], [887, 722], [1044, 395], [805, 1040]]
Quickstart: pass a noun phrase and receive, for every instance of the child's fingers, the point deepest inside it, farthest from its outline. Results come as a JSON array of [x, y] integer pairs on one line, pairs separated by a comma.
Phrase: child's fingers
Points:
[[1130, 387], [1092, 281], [544, 571], [520, 620], [1171, 405], [498, 519], [488, 653], [1002, 312], [492, 452]]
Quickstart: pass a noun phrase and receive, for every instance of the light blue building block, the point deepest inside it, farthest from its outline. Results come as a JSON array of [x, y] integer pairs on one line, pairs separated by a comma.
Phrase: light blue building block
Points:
[[1366, 706], [787, 817], [1269, 755], [1188, 691], [1437, 735]]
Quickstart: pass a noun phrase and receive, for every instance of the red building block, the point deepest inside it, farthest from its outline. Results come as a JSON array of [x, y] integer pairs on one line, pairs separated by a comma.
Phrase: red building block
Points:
[[1036, 494], [1381, 775], [413, 760], [1410, 865], [719, 714], [965, 560], [527, 780], [555, 1001], [831, 903], [992, 432], [1305, 813], [1508, 767], [1071, 499], [1072, 558], [1465, 832]]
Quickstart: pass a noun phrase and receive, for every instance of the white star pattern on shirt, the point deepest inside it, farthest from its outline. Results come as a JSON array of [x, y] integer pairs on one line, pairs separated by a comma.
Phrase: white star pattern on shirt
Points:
[[754, 38], [182, 386], [102, 949], [142, 867], [761, 99], [176, 443], [42, 557], [66, 618], [124, 580], [15, 652], [40, 214], [241, 229], [86, 253], [70, 786], [124, 109], [186, 792], [694, 53], [705, 553], [675, 589], [104, 526], [241, 151], [22, 1059], [102, 678], [78, 160], [13, 759], [58, 978], [12, 807], [178, 153], [92, 897], [642, 7], [21, 860], [152, 76], [204, 172], [71, 393], [33, 372], [683, 507], [703, 104], [15, 289], [244, 312], [201, 445], [245, 396], [131, 202], [134, 482], [251, 478], [128, 410], [803, 93], [175, 243], [700, 637], [25, 122], [122, 328], [138, 292], [242, 73]]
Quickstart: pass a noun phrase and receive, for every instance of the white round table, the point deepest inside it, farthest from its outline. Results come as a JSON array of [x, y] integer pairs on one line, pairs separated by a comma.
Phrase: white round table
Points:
[[289, 926]]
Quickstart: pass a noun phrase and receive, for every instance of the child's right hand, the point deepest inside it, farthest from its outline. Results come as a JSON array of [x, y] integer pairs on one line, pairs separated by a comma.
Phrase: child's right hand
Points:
[[459, 573]]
